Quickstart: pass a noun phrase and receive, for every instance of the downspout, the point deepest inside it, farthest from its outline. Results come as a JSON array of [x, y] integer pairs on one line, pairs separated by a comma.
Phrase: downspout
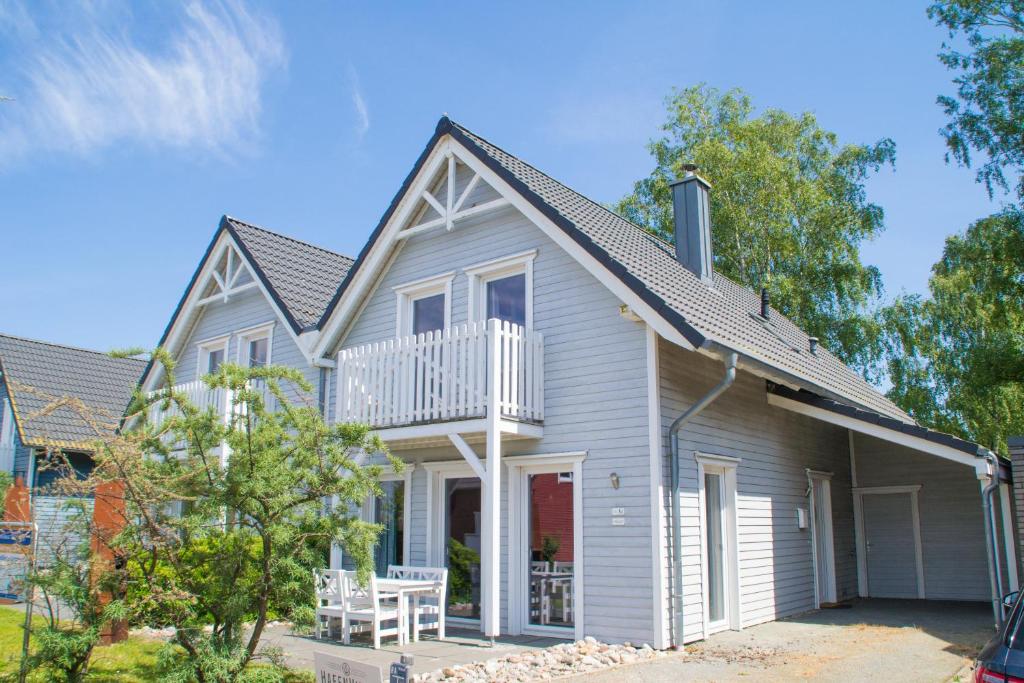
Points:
[[677, 521], [991, 543]]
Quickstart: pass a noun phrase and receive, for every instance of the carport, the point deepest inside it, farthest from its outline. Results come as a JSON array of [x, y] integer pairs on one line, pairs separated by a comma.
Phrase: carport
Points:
[[919, 513], [874, 640]]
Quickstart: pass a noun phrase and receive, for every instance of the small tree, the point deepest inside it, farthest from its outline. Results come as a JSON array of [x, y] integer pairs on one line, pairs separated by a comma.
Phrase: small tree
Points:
[[218, 542], [75, 591]]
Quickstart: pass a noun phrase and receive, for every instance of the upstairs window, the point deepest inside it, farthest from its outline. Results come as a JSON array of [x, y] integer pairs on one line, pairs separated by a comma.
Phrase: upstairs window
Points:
[[506, 299], [255, 346], [503, 289], [424, 305], [259, 352], [212, 354], [428, 314], [214, 360]]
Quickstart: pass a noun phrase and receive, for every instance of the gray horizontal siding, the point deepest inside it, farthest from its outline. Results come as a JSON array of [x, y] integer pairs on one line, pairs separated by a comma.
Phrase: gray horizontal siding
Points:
[[775, 448], [952, 524], [22, 453], [246, 310], [595, 400]]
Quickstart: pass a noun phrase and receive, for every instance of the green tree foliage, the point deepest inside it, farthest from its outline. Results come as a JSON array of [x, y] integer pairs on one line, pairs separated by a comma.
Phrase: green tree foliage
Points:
[[956, 359], [76, 598], [789, 210], [986, 115], [214, 549]]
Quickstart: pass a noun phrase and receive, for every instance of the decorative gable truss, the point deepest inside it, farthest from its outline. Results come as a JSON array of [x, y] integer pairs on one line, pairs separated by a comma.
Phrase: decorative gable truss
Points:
[[454, 193], [229, 276]]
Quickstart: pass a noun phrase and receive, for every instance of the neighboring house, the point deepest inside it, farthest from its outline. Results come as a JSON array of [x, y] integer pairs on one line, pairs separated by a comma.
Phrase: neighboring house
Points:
[[497, 316], [36, 377]]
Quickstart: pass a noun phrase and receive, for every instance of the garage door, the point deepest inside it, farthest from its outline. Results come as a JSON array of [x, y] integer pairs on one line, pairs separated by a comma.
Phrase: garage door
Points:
[[889, 542]]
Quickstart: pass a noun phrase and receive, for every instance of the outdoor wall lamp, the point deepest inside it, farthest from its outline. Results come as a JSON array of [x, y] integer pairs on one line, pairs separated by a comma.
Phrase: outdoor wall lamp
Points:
[[614, 479]]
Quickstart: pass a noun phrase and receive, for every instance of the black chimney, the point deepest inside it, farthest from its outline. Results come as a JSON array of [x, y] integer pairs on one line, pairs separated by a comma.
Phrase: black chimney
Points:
[[765, 310]]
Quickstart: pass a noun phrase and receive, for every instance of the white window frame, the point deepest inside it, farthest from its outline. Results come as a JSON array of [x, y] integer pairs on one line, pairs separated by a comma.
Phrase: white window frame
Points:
[[261, 331], [420, 289], [203, 349], [482, 273], [725, 467], [520, 468]]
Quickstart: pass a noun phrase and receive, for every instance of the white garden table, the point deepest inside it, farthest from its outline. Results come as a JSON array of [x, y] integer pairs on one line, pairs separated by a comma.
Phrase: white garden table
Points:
[[405, 589]]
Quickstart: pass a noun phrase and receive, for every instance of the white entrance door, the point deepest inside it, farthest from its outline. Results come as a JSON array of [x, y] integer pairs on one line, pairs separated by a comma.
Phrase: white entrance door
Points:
[[889, 545], [821, 530]]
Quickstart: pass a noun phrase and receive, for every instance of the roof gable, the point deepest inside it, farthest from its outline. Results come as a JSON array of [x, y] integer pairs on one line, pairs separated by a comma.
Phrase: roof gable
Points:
[[38, 373], [302, 277], [724, 314], [296, 277]]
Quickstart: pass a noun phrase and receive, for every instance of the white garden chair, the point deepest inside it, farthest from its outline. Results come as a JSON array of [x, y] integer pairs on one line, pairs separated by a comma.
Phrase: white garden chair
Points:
[[431, 605], [539, 566], [329, 603], [368, 605]]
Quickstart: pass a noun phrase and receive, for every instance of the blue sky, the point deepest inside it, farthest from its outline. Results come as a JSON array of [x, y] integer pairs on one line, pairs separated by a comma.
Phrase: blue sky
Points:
[[136, 126]]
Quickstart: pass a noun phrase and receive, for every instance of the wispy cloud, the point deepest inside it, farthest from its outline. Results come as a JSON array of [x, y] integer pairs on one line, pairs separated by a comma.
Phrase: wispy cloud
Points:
[[358, 103], [94, 85]]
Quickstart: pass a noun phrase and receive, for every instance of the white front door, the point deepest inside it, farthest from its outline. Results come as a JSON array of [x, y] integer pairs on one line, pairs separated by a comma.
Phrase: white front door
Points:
[[821, 530]]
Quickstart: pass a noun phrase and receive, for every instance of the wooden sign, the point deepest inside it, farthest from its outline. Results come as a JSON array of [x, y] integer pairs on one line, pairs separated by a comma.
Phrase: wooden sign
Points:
[[334, 669]]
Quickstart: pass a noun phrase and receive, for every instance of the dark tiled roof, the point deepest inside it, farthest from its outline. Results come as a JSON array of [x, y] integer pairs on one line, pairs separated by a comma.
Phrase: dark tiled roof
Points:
[[873, 417], [302, 277], [38, 373], [726, 313]]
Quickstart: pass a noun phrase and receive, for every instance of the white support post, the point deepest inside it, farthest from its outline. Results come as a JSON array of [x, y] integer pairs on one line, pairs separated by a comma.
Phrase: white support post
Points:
[[490, 560], [225, 450], [469, 455]]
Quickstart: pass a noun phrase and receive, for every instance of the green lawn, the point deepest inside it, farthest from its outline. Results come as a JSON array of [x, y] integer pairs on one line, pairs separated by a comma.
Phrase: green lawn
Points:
[[132, 661]]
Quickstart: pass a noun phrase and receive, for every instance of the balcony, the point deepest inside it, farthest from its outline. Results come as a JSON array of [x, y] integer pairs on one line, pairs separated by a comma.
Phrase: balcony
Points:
[[199, 394], [445, 376]]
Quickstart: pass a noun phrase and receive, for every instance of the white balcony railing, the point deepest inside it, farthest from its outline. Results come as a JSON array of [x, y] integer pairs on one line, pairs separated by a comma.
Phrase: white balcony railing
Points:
[[199, 394], [196, 392], [444, 375]]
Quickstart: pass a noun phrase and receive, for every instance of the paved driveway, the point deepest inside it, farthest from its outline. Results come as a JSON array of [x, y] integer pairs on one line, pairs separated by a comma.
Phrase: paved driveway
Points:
[[875, 640]]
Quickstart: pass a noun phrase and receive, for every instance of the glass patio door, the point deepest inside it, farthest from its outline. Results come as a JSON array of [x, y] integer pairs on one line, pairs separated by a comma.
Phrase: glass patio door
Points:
[[715, 540], [462, 546], [551, 549], [389, 510]]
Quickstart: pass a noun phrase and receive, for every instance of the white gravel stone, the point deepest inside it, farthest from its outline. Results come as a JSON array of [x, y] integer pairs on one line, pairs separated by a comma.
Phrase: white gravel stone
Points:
[[585, 655]]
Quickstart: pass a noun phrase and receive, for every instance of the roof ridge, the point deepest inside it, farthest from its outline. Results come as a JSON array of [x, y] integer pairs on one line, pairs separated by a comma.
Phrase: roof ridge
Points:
[[69, 347], [288, 237]]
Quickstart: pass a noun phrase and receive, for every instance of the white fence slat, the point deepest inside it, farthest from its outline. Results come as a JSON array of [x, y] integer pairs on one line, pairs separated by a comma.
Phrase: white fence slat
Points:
[[438, 375]]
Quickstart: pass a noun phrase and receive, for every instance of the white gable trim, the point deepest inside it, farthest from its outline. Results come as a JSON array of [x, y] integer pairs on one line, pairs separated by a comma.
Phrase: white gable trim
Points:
[[879, 432], [380, 251], [195, 304]]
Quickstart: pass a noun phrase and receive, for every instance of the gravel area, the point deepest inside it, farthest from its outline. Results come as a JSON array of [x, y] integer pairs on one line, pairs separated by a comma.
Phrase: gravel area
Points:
[[560, 661]]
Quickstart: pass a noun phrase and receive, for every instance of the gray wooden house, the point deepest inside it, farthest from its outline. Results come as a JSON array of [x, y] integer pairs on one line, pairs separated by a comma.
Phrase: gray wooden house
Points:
[[604, 436]]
